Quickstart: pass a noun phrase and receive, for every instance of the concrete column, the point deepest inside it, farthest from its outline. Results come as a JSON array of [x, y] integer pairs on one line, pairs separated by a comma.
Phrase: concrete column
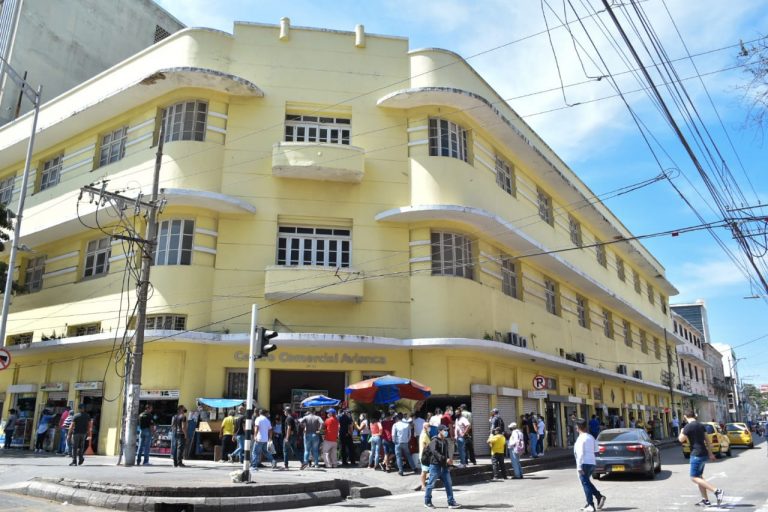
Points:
[[263, 392]]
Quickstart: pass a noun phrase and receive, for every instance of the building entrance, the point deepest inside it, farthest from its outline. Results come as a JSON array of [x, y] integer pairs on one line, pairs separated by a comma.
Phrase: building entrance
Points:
[[283, 386]]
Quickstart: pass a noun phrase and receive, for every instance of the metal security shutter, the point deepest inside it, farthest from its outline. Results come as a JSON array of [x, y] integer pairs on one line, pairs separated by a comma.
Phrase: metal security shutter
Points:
[[57, 395], [481, 411], [94, 393], [530, 405], [507, 406]]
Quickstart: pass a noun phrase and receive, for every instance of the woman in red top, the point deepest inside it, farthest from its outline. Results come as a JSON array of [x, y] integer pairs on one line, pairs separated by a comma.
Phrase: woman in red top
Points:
[[376, 431]]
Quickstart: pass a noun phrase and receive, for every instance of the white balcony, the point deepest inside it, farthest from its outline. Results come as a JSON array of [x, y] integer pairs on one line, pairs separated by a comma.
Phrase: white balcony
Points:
[[318, 161], [313, 284]]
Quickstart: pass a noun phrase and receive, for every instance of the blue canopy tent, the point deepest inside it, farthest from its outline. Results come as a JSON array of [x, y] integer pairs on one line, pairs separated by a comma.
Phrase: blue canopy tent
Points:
[[221, 403]]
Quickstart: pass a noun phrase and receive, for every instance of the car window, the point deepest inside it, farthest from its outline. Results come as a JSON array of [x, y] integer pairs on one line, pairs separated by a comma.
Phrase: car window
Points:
[[617, 435], [710, 429], [733, 428]]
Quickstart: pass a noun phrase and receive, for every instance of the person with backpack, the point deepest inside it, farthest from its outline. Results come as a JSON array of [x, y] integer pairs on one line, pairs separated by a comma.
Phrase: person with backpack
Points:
[[437, 457], [516, 448]]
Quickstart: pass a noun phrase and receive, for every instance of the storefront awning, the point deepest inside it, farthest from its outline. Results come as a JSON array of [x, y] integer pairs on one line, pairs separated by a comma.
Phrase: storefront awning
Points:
[[221, 403]]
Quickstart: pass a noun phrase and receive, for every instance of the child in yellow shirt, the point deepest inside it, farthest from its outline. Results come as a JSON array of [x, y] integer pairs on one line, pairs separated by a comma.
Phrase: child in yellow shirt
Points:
[[498, 443]]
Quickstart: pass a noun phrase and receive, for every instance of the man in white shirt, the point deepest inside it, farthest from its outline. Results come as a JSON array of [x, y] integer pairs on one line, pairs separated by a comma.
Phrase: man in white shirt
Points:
[[461, 430], [541, 430], [262, 433], [584, 451]]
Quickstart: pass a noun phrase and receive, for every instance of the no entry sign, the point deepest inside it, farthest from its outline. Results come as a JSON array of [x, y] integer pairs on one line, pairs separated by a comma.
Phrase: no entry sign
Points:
[[5, 359]]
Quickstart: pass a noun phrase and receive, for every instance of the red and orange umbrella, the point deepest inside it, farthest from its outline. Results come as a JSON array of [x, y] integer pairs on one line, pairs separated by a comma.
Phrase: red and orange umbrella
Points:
[[387, 389]]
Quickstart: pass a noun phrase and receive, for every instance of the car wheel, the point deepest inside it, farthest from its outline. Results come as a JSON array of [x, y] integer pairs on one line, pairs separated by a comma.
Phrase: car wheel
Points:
[[651, 474], [728, 453], [751, 445], [719, 455], [658, 467]]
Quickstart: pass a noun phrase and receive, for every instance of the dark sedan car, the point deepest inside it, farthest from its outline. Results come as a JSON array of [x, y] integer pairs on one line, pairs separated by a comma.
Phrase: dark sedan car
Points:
[[626, 450]]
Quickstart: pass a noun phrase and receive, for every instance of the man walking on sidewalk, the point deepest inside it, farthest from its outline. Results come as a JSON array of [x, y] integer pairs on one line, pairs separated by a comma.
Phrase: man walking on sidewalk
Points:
[[701, 450], [584, 451], [439, 467], [78, 431], [179, 431]]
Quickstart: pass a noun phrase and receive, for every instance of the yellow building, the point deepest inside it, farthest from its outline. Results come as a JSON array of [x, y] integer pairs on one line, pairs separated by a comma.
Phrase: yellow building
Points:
[[385, 208]]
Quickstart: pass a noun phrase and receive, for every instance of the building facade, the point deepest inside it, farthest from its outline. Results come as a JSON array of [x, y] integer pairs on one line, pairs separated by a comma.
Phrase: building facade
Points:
[[735, 401], [692, 365], [718, 386], [63, 43], [385, 208]]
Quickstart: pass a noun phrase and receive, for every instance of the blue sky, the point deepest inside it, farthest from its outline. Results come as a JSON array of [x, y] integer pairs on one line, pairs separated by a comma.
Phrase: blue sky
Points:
[[597, 138]]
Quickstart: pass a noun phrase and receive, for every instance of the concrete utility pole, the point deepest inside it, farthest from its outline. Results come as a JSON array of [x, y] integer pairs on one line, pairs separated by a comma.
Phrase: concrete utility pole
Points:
[[148, 244], [254, 342]]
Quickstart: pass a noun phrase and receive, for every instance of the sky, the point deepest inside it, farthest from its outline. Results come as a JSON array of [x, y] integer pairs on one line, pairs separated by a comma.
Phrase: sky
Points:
[[506, 41]]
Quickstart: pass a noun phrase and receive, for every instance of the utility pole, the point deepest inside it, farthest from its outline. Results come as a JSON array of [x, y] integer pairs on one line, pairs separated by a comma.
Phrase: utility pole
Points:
[[134, 356], [253, 343]]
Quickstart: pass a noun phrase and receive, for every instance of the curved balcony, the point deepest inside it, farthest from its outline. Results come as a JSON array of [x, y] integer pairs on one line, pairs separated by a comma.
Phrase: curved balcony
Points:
[[318, 161], [313, 284]]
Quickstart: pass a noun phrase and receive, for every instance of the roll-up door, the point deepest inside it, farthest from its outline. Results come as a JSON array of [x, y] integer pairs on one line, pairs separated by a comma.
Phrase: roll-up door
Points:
[[55, 396], [507, 406], [530, 405], [481, 411]]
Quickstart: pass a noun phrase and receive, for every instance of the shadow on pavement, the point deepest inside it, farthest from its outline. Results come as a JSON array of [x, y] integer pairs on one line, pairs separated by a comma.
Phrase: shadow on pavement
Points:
[[487, 505]]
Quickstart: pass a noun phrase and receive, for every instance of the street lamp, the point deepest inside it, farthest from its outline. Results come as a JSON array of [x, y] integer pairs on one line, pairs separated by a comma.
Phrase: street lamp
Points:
[[34, 97]]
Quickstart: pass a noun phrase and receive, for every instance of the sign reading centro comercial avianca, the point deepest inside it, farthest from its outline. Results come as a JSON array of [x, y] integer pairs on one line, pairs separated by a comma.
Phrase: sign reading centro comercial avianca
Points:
[[5, 359]]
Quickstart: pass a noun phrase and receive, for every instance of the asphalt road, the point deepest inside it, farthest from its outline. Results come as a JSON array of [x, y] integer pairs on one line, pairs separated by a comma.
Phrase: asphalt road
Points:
[[742, 476]]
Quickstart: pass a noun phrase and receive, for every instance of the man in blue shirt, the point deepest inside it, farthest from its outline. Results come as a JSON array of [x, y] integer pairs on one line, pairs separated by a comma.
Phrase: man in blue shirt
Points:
[[594, 426]]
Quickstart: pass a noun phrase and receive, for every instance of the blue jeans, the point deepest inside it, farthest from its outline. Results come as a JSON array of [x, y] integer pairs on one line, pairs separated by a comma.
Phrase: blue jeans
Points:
[[402, 452], [462, 444], [373, 459], [259, 451], [63, 445], [312, 445], [516, 467], [145, 440], [441, 472], [289, 449], [238, 453], [534, 439], [590, 491]]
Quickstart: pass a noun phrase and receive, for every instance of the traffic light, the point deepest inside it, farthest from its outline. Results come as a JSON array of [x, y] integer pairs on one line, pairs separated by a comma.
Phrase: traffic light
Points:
[[265, 347]]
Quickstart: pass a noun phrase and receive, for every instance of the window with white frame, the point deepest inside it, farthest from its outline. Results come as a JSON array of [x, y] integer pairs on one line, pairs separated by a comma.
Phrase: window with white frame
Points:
[[620, 269], [607, 323], [505, 176], [509, 270], [636, 280], [84, 329], [112, 146], [643, 342], [185, 120], [51, 172], [167, 322], [650, 293], [33, 274], [304, 128], [627, 333], [574, 227], [18, 339], [447, 138], [97, 256], [602, 258], [545, 207], [582, 311], [550, 296], [323, 247], [174, 242], [6, 189], [451, 255]]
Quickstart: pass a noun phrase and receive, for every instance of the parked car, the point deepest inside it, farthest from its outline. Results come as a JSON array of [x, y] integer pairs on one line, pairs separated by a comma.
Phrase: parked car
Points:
[[739, 434], [626, 450], [720, 443]]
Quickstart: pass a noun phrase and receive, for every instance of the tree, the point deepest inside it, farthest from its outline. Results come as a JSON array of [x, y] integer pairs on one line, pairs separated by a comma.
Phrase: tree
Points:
[[752, 393], [754, 59]]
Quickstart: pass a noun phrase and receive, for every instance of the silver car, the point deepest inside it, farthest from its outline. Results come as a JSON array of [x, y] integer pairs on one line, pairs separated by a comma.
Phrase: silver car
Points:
[[626, 450]]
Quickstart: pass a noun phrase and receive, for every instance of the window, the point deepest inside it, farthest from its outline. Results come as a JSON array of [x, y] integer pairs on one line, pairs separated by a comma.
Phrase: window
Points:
[[574, 227], [643, 342], [550, 296], [636, 280], [447, 139], [627, 333], [6, 189], [185, 121], [663, 302], [505, 176], [650, 293], [237, 383], [33, 274], [18, 339], [84, 329], [166, 322], [545, 207], [451, 255], [690, 370], [582, 311], [51, 173], [333, 130], [696, 371], [602, 259], [174, 242], [620, 269], [657, 348], [324, 247], [97, 257], [607, 324], [509, 277], [113, 146]]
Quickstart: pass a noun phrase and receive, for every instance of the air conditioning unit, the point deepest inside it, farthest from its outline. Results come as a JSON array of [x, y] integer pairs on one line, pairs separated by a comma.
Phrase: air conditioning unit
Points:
[[508, 338], [562, 352], [522, 341], [517, 340], [622, 369], [570, 357], [637, 374], [580, 358]]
